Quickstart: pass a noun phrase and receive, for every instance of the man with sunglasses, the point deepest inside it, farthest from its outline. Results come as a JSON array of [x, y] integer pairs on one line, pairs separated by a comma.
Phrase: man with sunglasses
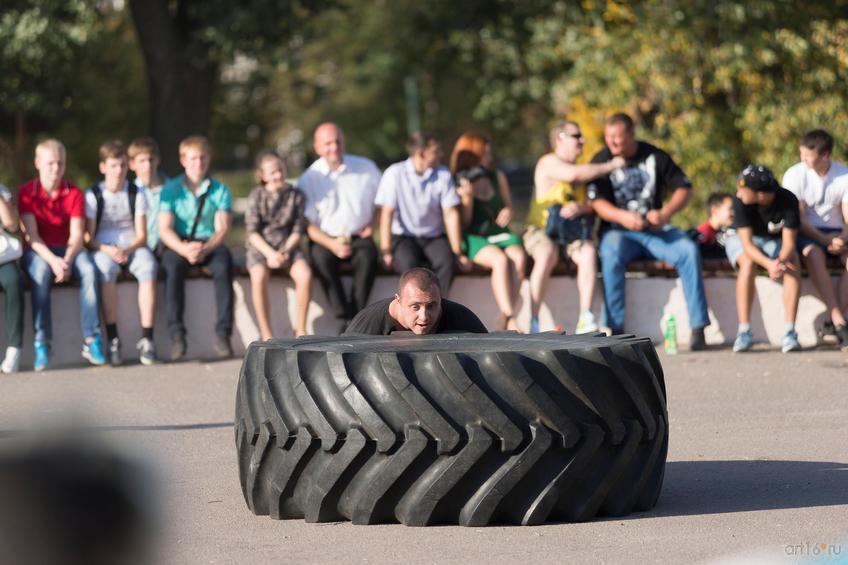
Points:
[[635, 214], [559, 199]]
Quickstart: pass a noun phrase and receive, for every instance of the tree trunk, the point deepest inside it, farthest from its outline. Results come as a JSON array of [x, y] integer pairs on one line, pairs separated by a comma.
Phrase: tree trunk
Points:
[[181, 86], [21, 163]]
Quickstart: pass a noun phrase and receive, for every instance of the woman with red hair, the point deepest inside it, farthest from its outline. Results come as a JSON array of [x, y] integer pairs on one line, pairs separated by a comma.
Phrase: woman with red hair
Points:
[[486, 213]]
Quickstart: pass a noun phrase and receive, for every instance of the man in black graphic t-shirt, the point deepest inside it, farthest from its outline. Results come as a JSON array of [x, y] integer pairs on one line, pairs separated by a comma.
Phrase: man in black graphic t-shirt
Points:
[[631, 203], [766, 219], [418, 307]]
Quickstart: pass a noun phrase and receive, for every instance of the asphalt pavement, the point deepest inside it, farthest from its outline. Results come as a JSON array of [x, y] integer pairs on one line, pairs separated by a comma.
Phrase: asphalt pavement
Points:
[[757, 469]]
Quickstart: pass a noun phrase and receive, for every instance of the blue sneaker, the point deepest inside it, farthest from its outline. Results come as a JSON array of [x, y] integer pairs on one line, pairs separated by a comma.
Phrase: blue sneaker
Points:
[[93, 351], [42, 356], [744, 341], [534, 325], [790, 342]]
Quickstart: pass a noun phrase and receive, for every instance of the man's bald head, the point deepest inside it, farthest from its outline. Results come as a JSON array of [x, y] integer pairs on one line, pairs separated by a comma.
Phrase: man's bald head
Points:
[[328, 142]]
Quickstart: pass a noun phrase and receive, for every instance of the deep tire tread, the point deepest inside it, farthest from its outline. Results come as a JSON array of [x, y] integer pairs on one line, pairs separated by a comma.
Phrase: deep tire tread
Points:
[[469, 430]]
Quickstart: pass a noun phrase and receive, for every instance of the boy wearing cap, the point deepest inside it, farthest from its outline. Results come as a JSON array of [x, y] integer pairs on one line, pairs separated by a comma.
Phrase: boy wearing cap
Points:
[[766, 219]]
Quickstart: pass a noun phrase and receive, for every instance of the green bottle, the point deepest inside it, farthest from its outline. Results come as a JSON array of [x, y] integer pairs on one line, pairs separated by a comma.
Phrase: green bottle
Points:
[[670, 334]]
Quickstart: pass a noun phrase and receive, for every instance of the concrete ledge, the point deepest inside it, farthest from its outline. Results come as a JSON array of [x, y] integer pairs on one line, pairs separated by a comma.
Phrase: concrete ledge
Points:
[[648, 299]]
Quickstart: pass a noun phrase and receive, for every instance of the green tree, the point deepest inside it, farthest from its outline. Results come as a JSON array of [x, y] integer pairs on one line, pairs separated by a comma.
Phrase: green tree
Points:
[[185, 44], [716, 83], [40, 42]]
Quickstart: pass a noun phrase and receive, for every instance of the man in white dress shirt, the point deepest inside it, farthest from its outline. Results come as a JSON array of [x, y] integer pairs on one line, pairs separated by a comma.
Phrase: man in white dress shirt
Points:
[[340, 191], [821, 185]]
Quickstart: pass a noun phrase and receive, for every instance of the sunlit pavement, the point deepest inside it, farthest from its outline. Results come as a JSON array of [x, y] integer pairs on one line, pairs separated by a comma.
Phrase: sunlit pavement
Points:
[[757, 468]]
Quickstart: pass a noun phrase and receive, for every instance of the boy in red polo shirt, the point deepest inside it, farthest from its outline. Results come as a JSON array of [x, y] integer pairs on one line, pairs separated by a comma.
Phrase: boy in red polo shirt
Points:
[[53, 214]]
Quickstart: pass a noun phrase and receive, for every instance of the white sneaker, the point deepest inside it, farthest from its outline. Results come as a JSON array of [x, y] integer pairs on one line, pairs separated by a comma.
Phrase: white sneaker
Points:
[[115, 352], [12, 362], [587, 323], [146, 351]]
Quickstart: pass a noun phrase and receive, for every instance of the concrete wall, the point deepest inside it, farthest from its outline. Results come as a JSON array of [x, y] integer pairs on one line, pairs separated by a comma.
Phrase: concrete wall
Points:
[[648, 299]]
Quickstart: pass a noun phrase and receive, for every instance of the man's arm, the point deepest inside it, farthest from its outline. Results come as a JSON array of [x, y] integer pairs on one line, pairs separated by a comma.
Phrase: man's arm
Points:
[[787, 245], [609, 212], [453, 229], [35, 241], [168, 236], [9, 216], [75, 239], [465, 191], [557, 170], [140, 240], [386, 217], [223, 219], [336, 247], [679, 199]]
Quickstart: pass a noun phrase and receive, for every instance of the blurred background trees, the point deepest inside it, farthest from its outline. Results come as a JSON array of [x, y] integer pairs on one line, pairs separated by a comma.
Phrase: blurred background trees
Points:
[[715, 83]]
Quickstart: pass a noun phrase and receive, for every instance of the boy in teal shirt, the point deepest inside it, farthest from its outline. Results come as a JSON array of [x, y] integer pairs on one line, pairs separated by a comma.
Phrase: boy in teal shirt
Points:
[[194, 219]]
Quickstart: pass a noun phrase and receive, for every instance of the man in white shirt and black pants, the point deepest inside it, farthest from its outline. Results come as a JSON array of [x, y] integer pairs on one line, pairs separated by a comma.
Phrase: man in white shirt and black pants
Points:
[[821, 185], [340, 191]]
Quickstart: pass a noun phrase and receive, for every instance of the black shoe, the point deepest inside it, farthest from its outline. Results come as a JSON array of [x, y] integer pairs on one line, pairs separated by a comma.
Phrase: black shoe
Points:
[[178, 347], [697, 342], [222, 347], [842, 336], [827, 333]]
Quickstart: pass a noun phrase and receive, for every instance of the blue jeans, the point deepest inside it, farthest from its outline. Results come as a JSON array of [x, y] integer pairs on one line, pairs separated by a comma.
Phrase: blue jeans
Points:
[[619, 247], [41, 277]]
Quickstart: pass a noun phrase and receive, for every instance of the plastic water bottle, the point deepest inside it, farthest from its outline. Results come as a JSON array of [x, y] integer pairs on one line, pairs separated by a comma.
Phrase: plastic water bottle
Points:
[[670, 334]]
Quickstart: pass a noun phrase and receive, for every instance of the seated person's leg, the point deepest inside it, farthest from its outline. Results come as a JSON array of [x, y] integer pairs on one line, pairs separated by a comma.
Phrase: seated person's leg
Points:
[[10, 281], [365, 261], [675, 247], [301, 274], [326, 266], [618, 248], [815, 259], [41, 278], [545, 255], [84, 270], [493, 258], [585, 256], [144, 267], [108, 272], [175, 266], [259, 274], [219, 261]]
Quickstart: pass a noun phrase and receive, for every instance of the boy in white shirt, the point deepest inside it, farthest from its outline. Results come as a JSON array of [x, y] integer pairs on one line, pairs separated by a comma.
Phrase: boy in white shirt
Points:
[[821, 185], [116, 214]]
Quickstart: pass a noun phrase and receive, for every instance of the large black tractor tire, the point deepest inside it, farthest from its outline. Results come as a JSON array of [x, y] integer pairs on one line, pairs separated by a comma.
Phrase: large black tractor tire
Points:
[[465, 429]]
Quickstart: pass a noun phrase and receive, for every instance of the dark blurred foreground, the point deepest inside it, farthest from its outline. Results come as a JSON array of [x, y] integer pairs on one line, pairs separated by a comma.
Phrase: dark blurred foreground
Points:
[[71, 501]]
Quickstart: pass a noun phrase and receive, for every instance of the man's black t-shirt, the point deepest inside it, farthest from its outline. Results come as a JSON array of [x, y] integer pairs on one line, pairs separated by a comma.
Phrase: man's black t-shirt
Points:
[[642, 184], [768, 221], [374, 319]]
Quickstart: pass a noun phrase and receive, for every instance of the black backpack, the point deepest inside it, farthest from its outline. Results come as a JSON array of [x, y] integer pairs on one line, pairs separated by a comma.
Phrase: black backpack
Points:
[[132, 192]]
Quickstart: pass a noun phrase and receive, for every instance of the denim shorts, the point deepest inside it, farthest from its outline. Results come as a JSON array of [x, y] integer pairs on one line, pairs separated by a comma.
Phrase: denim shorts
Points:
[[804, 241], [733, 246]]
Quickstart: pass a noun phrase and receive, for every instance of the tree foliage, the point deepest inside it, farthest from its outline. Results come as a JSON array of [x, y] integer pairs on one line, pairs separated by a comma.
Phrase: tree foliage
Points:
[[716, 83]]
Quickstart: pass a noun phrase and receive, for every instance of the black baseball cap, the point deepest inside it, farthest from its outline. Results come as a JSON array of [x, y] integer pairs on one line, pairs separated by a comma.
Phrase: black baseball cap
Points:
[[758, 178]]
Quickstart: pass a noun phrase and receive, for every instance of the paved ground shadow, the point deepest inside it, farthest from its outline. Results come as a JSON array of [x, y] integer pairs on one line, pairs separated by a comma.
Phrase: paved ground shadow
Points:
[[714, 487]]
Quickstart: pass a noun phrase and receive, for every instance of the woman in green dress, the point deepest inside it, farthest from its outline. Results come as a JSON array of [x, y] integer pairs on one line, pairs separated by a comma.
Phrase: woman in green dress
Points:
[[486, 213]]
